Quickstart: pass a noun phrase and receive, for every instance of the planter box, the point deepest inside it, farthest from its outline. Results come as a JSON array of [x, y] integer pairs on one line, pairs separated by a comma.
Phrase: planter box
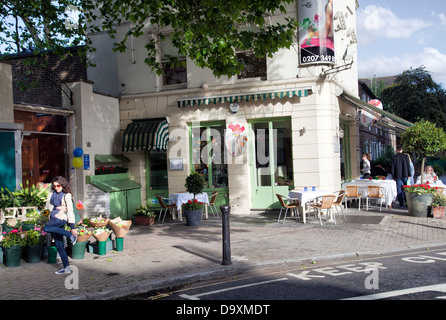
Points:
[[418, 204], [438, 212]]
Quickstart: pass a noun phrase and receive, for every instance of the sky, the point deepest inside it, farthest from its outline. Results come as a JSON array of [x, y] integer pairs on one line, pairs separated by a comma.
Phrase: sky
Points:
[[395, 35]]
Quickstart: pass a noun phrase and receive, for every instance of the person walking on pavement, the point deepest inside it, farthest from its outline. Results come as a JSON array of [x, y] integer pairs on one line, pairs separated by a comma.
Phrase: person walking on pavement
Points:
[[400, 173], [60, 204]]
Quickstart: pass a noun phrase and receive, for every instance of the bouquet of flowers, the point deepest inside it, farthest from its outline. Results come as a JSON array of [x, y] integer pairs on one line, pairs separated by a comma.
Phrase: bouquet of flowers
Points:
[[13, 223], [83, 234], [120, 227], [101, 233], [35, 236], [13, 238], [98, 221]]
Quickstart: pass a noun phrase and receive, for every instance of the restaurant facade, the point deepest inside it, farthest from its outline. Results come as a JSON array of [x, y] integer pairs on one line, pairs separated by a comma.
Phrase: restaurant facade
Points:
[[289, 121]]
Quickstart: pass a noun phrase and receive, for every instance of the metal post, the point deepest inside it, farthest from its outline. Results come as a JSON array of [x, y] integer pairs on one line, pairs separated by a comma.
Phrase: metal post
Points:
[[226, 237]]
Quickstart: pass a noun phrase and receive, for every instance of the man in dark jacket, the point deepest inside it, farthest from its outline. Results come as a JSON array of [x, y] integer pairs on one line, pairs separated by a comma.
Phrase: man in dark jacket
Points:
[[400, 172]]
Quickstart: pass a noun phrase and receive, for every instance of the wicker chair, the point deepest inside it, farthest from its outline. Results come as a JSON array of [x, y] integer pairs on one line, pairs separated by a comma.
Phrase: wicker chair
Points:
[[375, 194], [324, 202], [165, 207], [285, 206], [338, 202], [212, 203], [351, 193]]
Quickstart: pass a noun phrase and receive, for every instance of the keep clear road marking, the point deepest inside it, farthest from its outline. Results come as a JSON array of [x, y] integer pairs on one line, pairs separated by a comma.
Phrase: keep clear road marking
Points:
[[390, 294], [196, 297]]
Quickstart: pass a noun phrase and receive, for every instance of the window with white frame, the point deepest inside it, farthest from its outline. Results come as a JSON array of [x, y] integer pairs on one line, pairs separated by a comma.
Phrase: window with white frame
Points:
[[173, 74], [254, 67]]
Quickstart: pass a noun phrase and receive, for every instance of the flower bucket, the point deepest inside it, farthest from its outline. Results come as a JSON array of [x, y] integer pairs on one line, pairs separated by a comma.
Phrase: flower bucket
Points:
[[102, 247], [34, 253], [193, 217], [27, 226], [78, 250], [119, 244], [52, 254], [418, 204], [13, 256]]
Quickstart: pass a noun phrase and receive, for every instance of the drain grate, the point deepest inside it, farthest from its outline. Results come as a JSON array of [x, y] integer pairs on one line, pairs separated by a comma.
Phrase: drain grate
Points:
[[364, 219]]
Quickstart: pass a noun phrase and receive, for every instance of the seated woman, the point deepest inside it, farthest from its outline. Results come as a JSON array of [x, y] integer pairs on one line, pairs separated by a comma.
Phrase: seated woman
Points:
[[428, 175]]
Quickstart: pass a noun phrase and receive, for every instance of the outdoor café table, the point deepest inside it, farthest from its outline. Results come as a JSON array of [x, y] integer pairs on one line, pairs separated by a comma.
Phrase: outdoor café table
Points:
[[389, 186], [306, 196], [181, 198]]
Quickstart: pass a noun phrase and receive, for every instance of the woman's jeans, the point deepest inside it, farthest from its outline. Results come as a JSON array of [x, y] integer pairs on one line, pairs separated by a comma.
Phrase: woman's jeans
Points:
[[56, 228]]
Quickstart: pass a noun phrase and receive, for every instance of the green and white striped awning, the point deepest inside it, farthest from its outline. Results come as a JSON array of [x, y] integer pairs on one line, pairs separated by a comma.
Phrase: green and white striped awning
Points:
[[261, 95], [147, 134]]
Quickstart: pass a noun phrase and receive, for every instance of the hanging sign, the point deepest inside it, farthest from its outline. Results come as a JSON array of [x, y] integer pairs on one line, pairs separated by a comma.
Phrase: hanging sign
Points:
[[236, 138], [316, 40]]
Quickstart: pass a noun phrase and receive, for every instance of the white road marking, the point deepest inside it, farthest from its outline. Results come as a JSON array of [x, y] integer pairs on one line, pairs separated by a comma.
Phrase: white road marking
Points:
[[195, 297], [391, 294]]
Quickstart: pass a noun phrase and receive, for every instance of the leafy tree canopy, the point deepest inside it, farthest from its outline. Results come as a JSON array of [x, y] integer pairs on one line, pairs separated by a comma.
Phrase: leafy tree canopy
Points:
[[425, 139], [207, 31], [415, 96]]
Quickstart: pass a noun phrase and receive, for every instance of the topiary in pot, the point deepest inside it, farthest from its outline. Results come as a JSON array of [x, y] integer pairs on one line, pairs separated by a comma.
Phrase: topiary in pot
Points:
[[193, 208]]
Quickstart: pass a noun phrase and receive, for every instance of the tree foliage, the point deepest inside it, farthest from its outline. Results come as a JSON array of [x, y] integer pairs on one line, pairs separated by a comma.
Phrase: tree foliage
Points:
[[415, 96], [40, 26], [208, 31], [425, 139]]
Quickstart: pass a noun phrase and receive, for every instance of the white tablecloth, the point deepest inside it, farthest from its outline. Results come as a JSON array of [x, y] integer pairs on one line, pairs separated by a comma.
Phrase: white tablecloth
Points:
[[182, 197], [388, 185], [305, 197]]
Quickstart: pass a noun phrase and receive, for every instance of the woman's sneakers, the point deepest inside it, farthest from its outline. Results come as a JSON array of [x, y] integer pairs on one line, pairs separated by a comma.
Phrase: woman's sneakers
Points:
[[64, 270], [73, 239]]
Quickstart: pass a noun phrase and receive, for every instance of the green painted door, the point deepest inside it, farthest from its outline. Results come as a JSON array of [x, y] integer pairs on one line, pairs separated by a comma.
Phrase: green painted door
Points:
[[271, 162], [156, 176], [7, 165]]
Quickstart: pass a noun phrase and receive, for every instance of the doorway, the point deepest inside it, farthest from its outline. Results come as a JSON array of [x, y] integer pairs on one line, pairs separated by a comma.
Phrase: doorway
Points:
[[271, 162], [44, 145]]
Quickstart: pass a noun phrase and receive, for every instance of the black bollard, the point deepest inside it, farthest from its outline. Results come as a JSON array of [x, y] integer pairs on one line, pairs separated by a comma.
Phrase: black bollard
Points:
[[226, 237]]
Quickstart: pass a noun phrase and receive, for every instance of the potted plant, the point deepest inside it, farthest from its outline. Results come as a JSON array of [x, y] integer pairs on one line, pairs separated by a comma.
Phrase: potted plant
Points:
[[144, 215], [12, 244], [78, 250], [193, 208], [419, 198], [438, 205], [32, 217], [34, 240], [426, 140]]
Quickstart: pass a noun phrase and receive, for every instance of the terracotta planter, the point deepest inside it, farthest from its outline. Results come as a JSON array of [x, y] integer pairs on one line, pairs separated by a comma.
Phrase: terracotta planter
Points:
[[418, 204], [438, 212], [144, 221]]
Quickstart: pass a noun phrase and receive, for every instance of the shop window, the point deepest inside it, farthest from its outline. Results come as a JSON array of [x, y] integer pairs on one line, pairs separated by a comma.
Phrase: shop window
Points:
[[208, 155]]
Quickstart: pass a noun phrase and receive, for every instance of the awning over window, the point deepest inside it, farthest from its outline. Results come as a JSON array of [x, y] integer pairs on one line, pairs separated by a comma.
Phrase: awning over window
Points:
[[260, 95], [385, 119], [147, 134], [111, 158]]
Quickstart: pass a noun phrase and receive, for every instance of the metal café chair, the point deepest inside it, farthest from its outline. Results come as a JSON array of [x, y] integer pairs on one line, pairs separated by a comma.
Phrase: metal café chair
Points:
[[164, 207], [212, 203], [374, 193], [338, 202], [286, 206], [352, 193], [324, 202]]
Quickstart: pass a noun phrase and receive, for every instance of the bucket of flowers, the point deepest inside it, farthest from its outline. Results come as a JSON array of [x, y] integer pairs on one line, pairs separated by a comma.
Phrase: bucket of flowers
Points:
[[419, 198], [83, 234], [98, 222], [12, 244], [34, 240], [101, 234]]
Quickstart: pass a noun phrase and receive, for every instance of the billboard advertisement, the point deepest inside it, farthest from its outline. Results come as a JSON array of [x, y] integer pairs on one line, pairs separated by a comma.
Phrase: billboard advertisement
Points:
[[316, 40]]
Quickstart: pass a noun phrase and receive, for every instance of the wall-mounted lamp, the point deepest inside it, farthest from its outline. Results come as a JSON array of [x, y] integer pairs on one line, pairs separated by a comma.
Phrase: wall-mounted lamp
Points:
[[234, 107]]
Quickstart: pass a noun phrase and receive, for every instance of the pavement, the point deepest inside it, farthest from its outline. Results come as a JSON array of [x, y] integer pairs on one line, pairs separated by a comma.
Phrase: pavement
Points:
[[171, 254]]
